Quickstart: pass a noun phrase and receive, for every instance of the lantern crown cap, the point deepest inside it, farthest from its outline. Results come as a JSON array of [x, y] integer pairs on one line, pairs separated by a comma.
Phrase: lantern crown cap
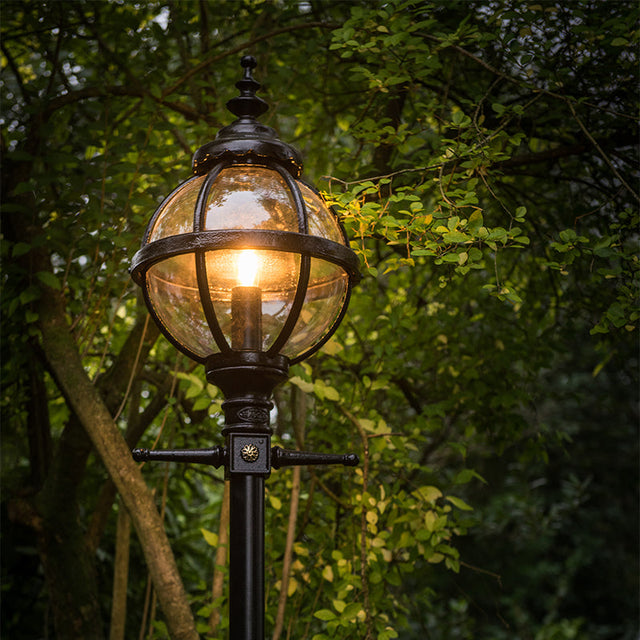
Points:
[[247, 141]]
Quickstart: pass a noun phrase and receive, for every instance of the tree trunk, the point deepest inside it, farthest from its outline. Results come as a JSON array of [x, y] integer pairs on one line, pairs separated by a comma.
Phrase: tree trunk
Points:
[[68, 563], [120, 576], [73, 594], [85, 401]]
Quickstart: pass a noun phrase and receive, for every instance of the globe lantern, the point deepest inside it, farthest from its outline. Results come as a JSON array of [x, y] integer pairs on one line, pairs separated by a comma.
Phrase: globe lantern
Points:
[[244, 257]]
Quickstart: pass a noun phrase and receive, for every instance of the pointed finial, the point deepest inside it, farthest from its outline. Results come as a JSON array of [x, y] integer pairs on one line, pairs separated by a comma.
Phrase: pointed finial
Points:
[[246, 139], [247, 104]]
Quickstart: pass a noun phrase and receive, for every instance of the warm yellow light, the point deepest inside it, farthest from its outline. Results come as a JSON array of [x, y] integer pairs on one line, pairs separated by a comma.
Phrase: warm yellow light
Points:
[[247, 268]]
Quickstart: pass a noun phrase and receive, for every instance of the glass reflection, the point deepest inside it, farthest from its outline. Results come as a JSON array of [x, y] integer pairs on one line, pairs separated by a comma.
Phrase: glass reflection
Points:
[[174, 293], [177, 212], [245, 197]]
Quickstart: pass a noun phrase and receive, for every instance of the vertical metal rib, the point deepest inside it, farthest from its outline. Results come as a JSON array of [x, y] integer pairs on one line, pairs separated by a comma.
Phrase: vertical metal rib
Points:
[[201, 262], [305, 265]]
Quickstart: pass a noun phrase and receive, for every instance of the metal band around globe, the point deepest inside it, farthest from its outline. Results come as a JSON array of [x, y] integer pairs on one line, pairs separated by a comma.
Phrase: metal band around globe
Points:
[[285, 241]]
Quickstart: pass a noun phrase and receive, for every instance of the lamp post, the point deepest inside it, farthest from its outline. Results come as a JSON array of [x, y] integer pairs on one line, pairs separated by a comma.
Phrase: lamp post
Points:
[[246, 270]]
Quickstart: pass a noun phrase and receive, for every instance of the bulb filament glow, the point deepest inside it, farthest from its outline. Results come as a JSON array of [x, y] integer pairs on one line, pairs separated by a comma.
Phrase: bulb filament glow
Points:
[[247, 268]]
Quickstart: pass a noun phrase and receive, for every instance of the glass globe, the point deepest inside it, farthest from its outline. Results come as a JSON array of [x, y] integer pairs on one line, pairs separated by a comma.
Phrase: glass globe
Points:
[[245, 258]]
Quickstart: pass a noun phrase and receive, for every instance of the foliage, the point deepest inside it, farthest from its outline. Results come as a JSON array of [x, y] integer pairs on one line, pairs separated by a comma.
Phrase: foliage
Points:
[[481, 156]]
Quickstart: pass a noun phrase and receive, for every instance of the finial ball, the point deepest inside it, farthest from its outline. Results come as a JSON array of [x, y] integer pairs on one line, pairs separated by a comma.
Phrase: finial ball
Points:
[[248, 62]]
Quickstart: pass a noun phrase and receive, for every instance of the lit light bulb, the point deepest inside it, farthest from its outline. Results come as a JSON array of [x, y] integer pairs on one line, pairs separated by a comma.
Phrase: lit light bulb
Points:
[[247, 268]]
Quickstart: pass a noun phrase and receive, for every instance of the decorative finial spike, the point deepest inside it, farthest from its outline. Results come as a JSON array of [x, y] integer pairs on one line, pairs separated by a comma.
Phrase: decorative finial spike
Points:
[[246, 138], [247, 104]]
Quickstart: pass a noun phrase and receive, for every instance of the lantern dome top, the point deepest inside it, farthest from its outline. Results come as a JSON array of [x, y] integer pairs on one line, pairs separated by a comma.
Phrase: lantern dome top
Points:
[[247, 141]]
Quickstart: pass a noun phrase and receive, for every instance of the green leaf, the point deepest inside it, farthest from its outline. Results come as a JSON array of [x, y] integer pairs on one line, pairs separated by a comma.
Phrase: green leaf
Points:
[[351, 611], [615, 313], [458, 502], [568, 235], [210, 537], [475, 222], [325, 614], [331, 393], [498, 233], [307, 387], [619, 42], [428, 493], [193, 391], [455, 237], [430, 518], [49, 279], [464, 476], [20, 248], [201, 403], [339, 605], [29, 295], [457, 117]]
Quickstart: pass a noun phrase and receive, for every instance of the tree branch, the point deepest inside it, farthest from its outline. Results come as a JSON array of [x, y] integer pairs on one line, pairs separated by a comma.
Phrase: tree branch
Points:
[[242, 47], [299, 418], [118, 90], [519, 81], [604, 156], [217, 583], [120, 576], [364, 574]]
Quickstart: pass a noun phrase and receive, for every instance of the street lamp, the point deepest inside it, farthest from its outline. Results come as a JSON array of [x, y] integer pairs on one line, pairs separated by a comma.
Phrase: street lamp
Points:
[[246, 270]]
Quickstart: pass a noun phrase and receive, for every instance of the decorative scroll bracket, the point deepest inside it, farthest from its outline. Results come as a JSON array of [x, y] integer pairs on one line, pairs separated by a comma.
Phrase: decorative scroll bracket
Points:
[[287, 458], [219, 456]]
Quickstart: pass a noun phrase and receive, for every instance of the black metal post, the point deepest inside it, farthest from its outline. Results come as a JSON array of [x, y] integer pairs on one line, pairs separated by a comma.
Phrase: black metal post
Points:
[[246, 558], [247, 379]]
